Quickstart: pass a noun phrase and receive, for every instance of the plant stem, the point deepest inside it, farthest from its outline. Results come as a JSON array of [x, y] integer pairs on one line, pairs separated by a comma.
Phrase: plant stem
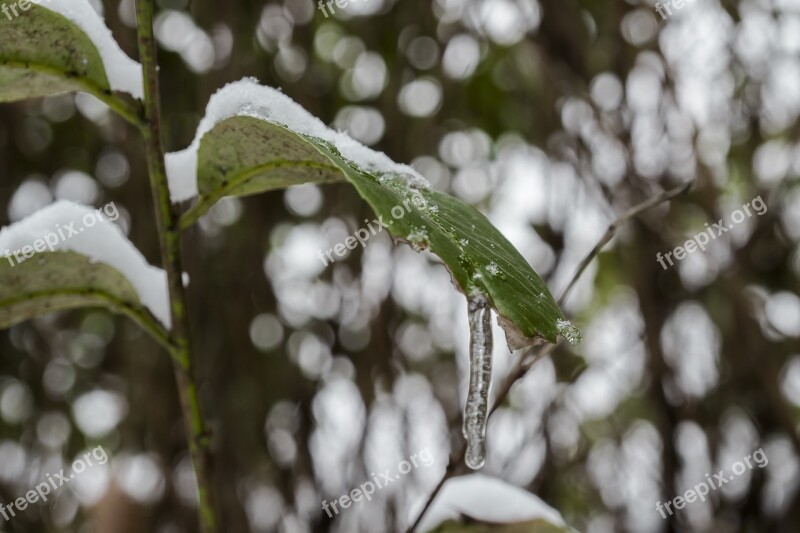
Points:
[[170, 244]]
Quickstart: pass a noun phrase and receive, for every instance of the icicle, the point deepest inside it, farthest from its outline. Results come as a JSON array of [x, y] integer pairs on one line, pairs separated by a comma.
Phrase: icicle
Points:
[[568, 331], [480, 379]]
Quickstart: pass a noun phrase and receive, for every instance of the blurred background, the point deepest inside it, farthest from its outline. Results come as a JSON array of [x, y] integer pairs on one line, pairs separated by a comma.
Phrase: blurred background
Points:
[[550, 116]]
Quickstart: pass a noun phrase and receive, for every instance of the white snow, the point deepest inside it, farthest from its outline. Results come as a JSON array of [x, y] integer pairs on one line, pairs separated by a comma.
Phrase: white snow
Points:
[[103, 242], [248, 98], [123, 73], [488, 499]]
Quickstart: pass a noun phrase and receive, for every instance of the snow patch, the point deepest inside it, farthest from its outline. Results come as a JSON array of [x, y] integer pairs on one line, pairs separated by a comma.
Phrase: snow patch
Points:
[[104, 242], [250, 99], [123, 73], [487, 499]]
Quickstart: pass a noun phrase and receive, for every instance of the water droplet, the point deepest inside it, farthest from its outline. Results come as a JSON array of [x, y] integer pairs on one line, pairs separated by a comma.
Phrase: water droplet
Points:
[[568, 331], [388, 179], [404, 180], [419, 239], [476, 409]]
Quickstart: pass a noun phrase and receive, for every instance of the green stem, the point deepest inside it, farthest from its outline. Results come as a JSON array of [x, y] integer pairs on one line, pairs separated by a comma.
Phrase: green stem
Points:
[[169, 240]]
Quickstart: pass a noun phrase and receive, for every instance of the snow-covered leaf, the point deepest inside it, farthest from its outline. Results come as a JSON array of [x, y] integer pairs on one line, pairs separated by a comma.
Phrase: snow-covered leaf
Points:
[[61, 46], [57, 281], [255, 139], [75, 258], [480, 503]]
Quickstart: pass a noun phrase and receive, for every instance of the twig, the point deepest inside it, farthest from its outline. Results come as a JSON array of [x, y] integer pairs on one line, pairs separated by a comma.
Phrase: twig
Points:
[[618, 223], [533, 356], [170, 244]]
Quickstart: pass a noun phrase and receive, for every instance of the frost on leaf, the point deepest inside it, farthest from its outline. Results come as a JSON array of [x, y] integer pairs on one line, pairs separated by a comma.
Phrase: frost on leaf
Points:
[[569, 332]]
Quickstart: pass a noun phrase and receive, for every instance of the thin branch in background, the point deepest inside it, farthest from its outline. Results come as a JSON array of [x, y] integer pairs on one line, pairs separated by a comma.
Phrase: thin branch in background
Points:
[[537, 353], [618, 223]]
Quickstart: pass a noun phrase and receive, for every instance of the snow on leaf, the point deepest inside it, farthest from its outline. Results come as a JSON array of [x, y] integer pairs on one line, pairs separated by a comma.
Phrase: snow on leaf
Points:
[[482, 498], [102, 268], [247, 98], [59, 46]]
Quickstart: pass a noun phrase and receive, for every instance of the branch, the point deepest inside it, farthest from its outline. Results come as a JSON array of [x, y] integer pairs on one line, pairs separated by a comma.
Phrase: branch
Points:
[[537, 353], [170, 244], [612, 230]]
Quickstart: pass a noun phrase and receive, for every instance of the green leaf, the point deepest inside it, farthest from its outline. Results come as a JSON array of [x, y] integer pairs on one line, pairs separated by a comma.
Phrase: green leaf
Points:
[[42, 53], [55, 281], [245, 155], [244, 146]]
